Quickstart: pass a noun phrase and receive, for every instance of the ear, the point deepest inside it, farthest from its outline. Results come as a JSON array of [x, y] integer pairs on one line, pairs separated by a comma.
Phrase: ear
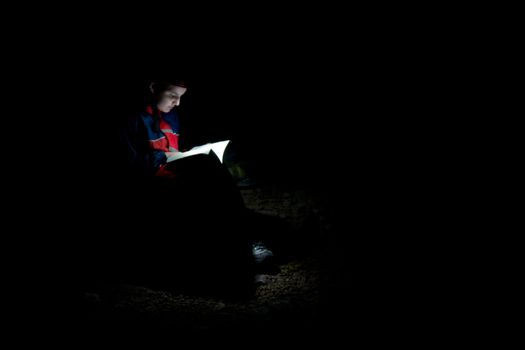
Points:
[[152, 87]]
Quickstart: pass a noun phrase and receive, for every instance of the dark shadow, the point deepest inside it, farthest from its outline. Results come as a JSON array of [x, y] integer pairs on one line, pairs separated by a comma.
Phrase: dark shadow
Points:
[[188, 234]]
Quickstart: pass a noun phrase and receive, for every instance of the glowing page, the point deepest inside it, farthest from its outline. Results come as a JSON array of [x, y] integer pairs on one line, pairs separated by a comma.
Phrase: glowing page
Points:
[[217, 147]]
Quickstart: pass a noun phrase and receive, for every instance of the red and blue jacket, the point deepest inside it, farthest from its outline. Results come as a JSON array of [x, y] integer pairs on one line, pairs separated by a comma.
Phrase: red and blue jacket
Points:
[[147, 136]]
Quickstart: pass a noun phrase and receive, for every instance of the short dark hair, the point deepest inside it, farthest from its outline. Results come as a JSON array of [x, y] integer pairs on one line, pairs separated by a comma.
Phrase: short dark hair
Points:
[[162, 84]]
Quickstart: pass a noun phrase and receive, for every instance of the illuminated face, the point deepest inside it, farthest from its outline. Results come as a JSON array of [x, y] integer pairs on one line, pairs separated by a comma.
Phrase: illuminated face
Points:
[[170, 98]]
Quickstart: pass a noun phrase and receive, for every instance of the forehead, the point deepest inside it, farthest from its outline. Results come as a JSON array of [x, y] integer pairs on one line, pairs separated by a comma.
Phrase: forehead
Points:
[[175, 90]]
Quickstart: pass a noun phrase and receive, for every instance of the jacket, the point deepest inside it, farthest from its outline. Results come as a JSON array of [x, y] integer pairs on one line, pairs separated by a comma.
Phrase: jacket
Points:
[[146, 136]]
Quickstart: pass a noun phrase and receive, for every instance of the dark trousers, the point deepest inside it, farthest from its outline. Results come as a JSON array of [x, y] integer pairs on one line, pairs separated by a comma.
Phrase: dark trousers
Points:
[[187, 231]]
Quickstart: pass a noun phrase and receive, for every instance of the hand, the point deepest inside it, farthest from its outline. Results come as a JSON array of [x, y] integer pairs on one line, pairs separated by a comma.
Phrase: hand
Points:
[[170, 154]]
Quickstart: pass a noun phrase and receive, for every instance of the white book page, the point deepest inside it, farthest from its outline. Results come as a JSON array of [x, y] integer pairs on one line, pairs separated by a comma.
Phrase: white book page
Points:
[[217, 147]]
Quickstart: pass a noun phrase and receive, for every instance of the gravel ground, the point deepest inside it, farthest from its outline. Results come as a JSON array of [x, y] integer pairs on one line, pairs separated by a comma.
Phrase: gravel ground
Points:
[[289, 298]]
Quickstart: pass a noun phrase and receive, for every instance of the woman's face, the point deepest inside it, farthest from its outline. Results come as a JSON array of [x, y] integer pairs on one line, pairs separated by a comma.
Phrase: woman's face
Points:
[[170, 98]]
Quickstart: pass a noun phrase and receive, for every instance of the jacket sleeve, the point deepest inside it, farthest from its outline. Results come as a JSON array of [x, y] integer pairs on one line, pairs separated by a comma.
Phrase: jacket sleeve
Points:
[[139, 157]]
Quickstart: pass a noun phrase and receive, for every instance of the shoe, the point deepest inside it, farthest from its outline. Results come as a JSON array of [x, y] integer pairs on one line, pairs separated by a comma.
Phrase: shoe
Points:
[[261, 253], [260, 279], [246, 182]]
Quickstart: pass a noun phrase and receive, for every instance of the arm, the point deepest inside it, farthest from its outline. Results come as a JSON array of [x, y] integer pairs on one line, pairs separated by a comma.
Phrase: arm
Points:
[[140, 157]]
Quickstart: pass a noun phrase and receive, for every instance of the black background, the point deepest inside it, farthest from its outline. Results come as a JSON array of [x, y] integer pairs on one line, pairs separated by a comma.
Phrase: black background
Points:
[[330, 99]]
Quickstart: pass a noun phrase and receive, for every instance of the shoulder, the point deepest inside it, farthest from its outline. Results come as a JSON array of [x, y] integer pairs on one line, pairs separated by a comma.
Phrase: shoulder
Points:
[[134, 121], [139, 115]]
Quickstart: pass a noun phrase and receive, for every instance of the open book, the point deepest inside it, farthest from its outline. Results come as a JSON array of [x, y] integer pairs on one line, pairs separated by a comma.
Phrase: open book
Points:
[[217, 147]]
